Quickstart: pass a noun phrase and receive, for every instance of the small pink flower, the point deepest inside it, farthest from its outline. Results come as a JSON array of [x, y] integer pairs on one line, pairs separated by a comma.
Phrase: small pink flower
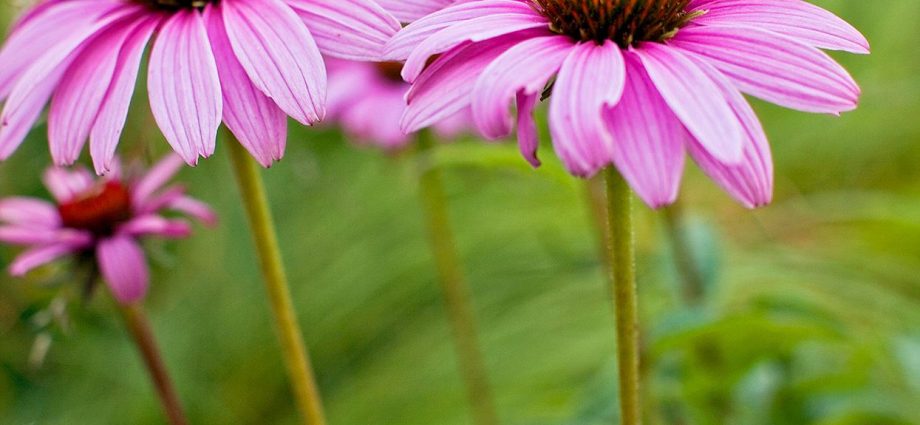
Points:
[[367, 99], [103, 217], [632, 84], [248, 63]]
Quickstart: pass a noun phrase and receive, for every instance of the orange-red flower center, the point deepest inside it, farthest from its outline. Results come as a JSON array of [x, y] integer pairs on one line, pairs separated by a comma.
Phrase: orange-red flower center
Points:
[[99, 209], [626, 22]]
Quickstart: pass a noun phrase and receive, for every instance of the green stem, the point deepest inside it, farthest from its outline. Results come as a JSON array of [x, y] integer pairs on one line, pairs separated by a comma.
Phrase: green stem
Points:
[[265, 236], [456, 293], [139, 327], [621, 254]]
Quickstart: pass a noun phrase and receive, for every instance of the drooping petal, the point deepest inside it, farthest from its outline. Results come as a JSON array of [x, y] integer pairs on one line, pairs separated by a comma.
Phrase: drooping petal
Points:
[[278, 53], [157, 226], [41, 31], [195, 209], [39, 256], [80, 93], [27, 235], [774, 68], [399, 48], [473, 30], [443, 89], [184, 87], [524, 68], [695, 99], [528, 137], [31, 212], [124, 268], [255, 120], [348, 29], [65, 185], [750, 181], [110, 120], [411, 10], [590, 80], [797, 19], [648, 139], [32, 90], [155, 178]]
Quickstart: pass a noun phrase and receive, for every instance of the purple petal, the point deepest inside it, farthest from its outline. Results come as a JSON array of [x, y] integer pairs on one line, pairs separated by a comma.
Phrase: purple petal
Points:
[[590, 79], [278, 53], [695, 98], [106, 131], [155, 178], [184, 87], [524, 68], [23, 211], [157, 226], [39, 256], [124, 268], [528, 137], [65, 185], [774, 68], [255, 120], [347, 29]]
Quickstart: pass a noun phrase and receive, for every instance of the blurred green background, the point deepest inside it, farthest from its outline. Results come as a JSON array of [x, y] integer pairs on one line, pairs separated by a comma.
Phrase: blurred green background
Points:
[[810, 312]]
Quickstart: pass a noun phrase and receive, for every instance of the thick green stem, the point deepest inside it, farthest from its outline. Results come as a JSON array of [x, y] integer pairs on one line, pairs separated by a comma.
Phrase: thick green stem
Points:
[[621, 255], [265, 236], [139, 327], [456, 293]]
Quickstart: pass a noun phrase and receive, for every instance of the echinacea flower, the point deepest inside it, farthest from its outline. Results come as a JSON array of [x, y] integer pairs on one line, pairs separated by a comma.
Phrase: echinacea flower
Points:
[[102, 218], [248, 63], [633, 84], [367, 99]]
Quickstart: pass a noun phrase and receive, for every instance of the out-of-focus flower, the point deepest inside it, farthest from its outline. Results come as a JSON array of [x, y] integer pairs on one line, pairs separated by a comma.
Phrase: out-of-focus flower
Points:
[[102, 218], [248, 63], [633, 84], [368, 99]]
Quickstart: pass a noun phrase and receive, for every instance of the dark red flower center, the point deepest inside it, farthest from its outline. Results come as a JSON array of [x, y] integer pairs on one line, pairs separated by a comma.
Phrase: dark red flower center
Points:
[[626, 22], [99, 209], [391, 71], [177, 4]]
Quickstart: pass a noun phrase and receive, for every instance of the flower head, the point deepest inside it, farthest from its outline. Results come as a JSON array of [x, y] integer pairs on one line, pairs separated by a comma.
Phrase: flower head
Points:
[[635, 84], [368, 98], [100, 218], [248, 63]]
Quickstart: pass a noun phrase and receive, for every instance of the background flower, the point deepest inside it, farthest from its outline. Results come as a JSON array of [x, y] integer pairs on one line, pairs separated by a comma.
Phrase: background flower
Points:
[[368, 99], [104, 217], [247, 63], [635, 87]]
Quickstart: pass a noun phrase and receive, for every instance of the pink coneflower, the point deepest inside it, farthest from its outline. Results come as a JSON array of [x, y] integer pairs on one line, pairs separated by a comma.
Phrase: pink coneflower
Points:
[[635, 84], [247, 63], [100, 218], [368, 98]]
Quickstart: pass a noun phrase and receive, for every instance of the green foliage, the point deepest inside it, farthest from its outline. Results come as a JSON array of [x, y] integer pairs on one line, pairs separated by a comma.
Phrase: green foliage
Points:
[[810, 314]]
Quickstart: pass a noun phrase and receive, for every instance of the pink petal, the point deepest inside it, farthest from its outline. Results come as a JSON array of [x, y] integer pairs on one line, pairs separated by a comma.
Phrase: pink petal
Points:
[[411, 10], [106, 131], [347, 29], [157, 226], [444, 88], [184, 87], [155, 178], [255, 120], [648, 139], [410, 37], [278, 53], [473, 30], [30, 235], [194, 208], [590, 79], [31, 92], [528, 137], [79, 96], [695, 98], [524, 68], [65, 184], [800, 20], [124, 268], [39, 256], [23, 211]]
